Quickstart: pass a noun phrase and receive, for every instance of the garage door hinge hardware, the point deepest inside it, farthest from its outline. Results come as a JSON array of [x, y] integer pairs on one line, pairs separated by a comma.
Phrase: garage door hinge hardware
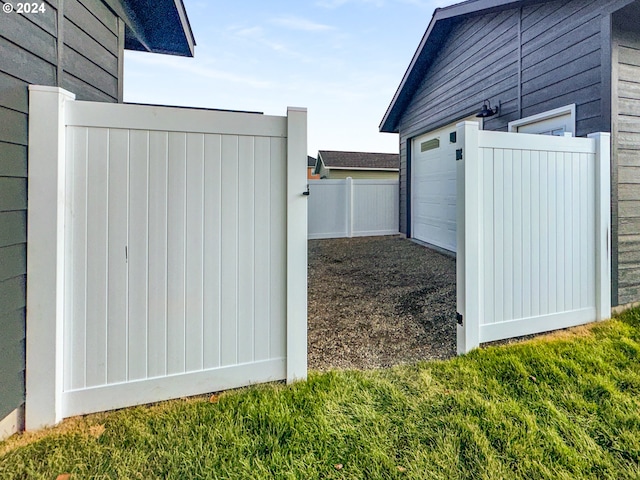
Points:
[[459, 318], [459, 154]]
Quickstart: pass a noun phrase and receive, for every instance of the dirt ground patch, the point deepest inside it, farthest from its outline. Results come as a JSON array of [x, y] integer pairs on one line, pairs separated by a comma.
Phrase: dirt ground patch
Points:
[[379, 301]]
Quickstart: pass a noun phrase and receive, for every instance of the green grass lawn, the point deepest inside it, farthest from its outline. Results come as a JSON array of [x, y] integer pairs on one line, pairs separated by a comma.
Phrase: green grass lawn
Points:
[[563, 406]]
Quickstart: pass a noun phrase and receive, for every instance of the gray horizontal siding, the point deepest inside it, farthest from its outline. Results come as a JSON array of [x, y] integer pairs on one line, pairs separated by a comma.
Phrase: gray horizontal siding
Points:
[[13, 126], [39, 42], [561, 62], [479, 56], [13, 228], [90, 54], [13, 93], [627, 147], [24, 65], [12, 341]]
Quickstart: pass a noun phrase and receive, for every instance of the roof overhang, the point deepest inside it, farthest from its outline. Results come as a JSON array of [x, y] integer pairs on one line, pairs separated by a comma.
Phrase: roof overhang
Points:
[[158, 26]]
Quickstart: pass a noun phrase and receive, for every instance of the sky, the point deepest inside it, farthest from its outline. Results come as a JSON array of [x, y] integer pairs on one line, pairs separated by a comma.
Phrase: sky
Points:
[[341, 59]]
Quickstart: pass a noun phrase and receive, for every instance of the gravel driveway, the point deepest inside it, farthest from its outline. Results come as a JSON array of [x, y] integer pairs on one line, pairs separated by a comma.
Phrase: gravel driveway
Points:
[[379, 301]]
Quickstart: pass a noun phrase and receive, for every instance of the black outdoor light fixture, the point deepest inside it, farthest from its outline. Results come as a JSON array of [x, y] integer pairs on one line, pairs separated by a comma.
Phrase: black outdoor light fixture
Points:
[[487, 111]]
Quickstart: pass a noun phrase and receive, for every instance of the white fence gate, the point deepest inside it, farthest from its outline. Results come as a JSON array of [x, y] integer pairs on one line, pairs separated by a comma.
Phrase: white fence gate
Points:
[[353, 208], [533, 233], [167, 253]]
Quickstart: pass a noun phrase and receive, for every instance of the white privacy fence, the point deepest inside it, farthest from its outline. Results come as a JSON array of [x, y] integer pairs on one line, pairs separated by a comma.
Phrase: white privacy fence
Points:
[[352, 208], [533, 233], [167, 253]]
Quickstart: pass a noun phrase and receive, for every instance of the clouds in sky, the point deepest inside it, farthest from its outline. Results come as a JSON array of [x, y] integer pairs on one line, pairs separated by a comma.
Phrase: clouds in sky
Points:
[[342, 59]]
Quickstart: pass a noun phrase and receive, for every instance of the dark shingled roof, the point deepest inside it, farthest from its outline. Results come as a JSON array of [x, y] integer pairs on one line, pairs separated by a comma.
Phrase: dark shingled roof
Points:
[[311, 162], [336, 159]]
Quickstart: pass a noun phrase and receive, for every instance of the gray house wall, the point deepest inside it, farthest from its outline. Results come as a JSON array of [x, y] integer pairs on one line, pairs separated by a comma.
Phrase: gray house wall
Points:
[[81, 51], [626, 150], [533, 59]]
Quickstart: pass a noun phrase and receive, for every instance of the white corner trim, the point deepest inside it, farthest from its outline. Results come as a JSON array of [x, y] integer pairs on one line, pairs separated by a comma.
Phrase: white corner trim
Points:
[[556, 112], [12, 423]]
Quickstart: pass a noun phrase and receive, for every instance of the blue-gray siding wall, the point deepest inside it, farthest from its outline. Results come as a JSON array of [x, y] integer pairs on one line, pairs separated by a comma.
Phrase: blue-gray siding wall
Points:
[[531, 59], [89, 63]]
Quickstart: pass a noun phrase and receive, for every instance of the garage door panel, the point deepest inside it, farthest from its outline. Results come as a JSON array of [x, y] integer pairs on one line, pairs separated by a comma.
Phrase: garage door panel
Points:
[[433, 188], [434, 192]]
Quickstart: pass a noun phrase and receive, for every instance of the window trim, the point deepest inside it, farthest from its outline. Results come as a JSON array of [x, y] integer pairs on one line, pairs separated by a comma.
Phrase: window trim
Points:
[[556, 112]]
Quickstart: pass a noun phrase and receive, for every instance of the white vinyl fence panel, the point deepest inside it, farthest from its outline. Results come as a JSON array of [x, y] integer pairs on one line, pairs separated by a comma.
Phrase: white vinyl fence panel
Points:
[[535, 229], [352, 208], [174, 256]]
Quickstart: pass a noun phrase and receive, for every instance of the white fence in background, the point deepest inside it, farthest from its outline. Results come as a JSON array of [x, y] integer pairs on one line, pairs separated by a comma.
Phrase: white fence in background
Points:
[[533, 233], [352, 208], [167, 253]]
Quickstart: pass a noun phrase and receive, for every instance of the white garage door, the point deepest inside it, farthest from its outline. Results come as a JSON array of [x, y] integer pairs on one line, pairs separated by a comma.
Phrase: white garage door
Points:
[[433, 187]]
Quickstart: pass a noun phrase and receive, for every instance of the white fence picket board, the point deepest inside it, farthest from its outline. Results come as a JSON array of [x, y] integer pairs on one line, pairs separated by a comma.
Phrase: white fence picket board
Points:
[[552, 222], [578, 257], [543, 289], [194, 252], [278, 261], [536, 238], [158, 276], [584, 227], [212, 250], [591, 227], [76, 324], [97, 205], [117, 309], [488, 260], [229, 268], [517, 252], [176, 219], [262, 185], [568, 234], [499, 236], [508, 224], [138, 255], [246, 249], [527, 247]]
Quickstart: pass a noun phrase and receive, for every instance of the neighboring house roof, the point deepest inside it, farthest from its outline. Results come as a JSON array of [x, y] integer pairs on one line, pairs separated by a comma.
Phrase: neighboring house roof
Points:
[[358, 160], [311, 162], [158, 26], [437, 31]]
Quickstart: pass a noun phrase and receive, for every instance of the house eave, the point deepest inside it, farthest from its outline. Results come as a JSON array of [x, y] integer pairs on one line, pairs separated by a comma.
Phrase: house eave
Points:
[[157, 26]]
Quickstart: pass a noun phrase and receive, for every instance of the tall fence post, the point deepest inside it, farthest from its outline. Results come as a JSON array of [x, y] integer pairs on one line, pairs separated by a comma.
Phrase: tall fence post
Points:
[[349, 186], [45, 255], [468, 225], [603, 224], [296, 244]]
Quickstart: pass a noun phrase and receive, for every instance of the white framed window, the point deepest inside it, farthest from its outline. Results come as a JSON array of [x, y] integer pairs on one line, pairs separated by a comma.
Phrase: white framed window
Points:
[[558, 122]]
